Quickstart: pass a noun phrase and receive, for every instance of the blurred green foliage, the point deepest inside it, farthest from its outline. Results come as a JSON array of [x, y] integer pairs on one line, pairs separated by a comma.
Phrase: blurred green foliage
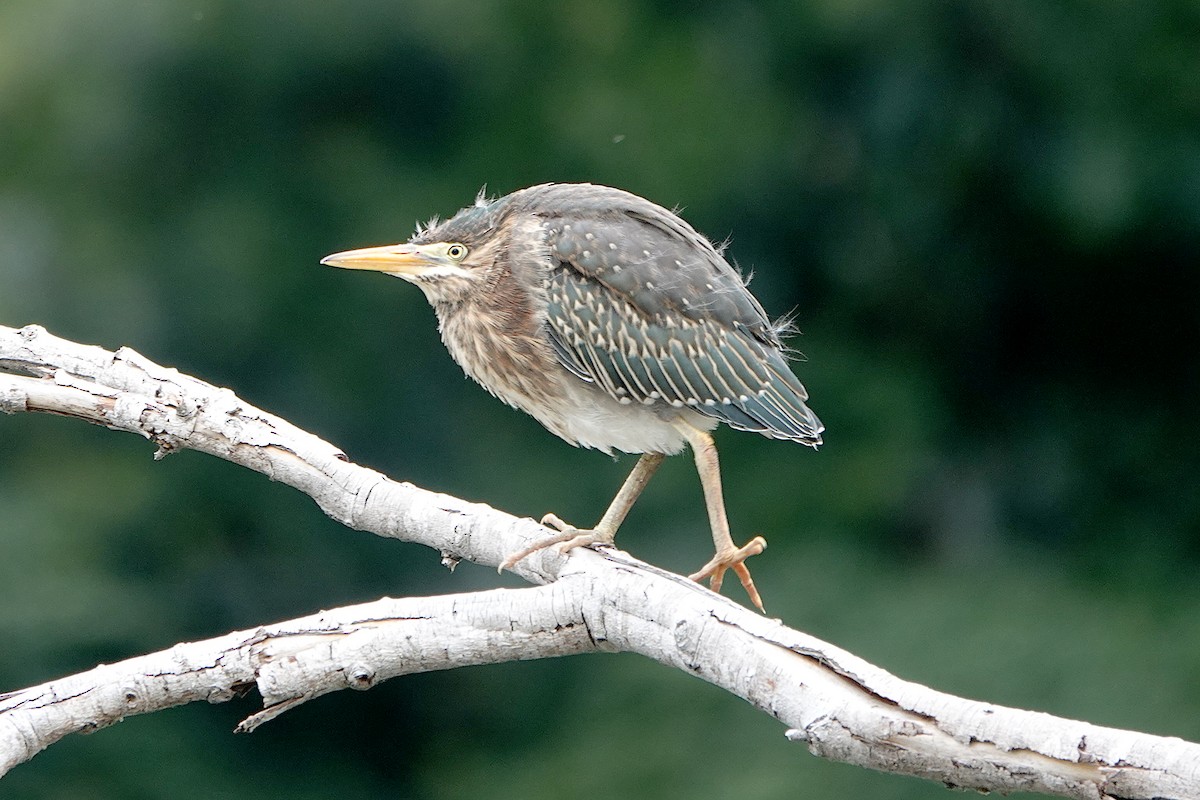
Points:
[[986, 214]]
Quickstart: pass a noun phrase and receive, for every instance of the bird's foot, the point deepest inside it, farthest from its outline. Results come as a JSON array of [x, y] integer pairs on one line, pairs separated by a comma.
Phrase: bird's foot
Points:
[[733, 558], [568, 538]]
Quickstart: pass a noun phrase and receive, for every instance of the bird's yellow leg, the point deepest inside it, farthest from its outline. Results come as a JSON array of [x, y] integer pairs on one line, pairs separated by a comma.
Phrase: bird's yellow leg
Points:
[[606, 529], [728, 556]]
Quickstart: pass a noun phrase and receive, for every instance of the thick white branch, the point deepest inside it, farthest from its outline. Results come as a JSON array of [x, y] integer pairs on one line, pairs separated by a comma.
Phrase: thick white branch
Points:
[[841, 706], [126, 391]]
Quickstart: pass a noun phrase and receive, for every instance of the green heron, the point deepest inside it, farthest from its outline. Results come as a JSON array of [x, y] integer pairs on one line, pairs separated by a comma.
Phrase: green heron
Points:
[[616, 325]]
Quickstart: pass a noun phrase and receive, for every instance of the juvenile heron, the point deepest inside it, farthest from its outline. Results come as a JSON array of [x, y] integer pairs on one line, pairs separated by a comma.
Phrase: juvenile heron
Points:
[[616, 325]]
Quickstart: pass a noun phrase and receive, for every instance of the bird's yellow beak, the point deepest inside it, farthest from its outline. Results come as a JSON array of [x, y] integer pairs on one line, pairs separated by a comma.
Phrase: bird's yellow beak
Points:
[[402, 259]]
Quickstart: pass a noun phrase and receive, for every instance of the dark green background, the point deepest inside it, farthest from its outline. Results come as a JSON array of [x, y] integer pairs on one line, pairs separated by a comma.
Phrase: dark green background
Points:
[[986, 215]]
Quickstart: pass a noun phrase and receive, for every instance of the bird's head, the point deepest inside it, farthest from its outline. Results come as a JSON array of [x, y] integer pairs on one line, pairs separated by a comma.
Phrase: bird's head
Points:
[[448, 260]]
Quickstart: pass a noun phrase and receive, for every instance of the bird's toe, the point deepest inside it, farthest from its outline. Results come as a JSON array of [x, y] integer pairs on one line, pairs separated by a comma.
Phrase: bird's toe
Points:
[[557, 523], [568, 538], [734, 558]]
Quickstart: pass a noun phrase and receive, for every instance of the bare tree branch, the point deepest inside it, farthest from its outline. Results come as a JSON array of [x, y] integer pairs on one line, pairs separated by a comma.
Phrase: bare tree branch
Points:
[[841, 706]]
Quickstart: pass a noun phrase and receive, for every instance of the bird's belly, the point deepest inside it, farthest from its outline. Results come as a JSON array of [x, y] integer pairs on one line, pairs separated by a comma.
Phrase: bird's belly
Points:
[[588, 417], [584, 415]]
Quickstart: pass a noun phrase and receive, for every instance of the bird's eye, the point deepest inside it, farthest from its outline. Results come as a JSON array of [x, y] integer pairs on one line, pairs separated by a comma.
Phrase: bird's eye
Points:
[[457, 251]]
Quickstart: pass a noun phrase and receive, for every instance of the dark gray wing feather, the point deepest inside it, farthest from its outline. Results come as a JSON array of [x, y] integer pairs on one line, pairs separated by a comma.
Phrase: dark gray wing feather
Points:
[[644, 307]]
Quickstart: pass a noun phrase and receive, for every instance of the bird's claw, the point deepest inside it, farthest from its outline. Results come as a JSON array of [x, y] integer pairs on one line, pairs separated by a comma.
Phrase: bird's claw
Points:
[[734, 559], [568, 538]]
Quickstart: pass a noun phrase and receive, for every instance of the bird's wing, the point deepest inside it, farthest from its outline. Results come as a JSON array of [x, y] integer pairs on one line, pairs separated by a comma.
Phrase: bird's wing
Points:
[[645, 308]]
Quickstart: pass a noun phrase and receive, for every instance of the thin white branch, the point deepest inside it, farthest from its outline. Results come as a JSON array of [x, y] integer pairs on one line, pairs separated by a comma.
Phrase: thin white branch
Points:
[[841, 706], [290, 662]]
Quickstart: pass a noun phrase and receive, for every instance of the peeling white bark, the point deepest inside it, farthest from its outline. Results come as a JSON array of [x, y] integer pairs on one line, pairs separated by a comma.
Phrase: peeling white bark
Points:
[[841, 706]]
